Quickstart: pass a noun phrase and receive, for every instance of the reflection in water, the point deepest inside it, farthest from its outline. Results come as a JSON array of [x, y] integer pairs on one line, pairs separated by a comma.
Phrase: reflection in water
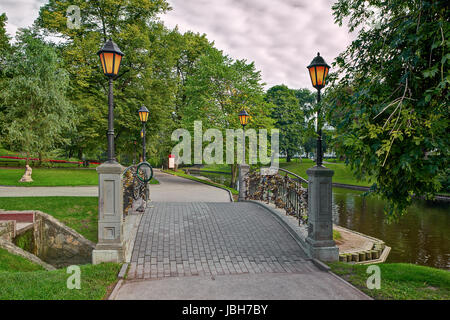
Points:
[[422, 236]]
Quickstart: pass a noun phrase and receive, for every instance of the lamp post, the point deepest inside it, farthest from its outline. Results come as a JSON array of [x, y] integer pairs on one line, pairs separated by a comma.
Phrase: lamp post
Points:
[[243, 119], [318, 71], [243, 168], [143, 115], [133, 140], [320, 223], [110, 58], [110, 246]]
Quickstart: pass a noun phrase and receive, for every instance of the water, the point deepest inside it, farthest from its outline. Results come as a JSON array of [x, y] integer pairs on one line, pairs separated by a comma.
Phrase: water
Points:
[[422, 236]]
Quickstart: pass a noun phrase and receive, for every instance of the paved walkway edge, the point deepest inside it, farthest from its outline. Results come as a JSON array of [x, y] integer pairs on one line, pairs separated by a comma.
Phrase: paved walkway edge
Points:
[[295, 231], [229, 192]]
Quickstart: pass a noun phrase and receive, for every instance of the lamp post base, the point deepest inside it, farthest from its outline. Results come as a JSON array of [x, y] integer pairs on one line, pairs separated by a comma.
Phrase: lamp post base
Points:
[[320, 222], [110, 214]]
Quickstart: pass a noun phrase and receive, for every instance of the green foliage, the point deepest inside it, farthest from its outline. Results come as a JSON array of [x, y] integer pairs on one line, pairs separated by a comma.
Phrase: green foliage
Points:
[[35, 112], [25, 241], [390, 105], [289, 118]]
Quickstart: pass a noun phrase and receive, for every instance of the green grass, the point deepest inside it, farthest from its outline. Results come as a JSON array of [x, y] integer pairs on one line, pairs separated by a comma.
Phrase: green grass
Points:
[[52, 177], [342, 173], [13, 263], [217, 167], [78, 213], [52, 285], [336, 235], [180, 173], [399, 281]]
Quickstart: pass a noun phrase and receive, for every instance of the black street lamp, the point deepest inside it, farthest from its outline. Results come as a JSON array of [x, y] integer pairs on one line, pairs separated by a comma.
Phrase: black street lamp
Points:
[[243, 119], [143, 116], [133, 140], [318, 71], [110, 58]]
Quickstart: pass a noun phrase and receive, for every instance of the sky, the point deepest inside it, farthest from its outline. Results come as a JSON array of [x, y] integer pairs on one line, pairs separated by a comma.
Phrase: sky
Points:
[[280, 36]]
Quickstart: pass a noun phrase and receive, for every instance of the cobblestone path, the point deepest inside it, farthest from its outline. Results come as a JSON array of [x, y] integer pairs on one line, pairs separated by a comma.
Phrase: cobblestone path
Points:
[[187, 239]]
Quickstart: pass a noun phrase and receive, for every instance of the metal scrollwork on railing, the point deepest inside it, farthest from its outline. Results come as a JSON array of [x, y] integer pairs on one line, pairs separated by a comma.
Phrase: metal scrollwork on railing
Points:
[[281, 190], [135, 184]]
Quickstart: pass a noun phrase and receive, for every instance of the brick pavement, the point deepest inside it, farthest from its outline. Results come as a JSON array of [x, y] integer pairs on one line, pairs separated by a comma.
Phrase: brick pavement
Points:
[[189, 239]]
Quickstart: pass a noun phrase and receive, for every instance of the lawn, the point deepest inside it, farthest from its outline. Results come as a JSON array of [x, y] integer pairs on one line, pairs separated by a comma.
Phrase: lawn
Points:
[[96, 281], [13, 263], [399, 281], [52, 177], [342, 173], [78, 213]]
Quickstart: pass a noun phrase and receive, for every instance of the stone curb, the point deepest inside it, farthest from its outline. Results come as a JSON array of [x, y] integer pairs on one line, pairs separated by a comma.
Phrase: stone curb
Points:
[[229, 192], [115, 291]]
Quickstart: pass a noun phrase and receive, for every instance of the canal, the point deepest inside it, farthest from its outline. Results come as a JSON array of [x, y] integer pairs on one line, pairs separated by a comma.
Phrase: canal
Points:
[[422, 236]]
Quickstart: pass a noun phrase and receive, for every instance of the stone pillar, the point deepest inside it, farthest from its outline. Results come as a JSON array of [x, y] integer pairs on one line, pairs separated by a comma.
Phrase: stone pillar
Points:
[[243, 170], [320, 224], [110, 214]]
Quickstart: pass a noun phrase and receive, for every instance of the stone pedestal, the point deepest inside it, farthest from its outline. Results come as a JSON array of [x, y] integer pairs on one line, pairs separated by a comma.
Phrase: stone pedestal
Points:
[[320, 224], [110, 216], [243, 171]]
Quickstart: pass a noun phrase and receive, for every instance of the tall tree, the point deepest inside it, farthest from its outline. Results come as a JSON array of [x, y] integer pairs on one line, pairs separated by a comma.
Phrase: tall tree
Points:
[[289, 119], [36, 112], [390, 101]]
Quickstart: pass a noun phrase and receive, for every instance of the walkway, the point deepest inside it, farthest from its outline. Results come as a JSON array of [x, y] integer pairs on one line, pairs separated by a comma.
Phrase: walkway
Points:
[[49, 191], [176, 189], [222, 251]]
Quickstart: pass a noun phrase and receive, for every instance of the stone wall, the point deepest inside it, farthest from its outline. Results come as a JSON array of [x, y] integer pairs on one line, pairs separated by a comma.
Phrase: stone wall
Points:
[[7, 230], [59, 245]]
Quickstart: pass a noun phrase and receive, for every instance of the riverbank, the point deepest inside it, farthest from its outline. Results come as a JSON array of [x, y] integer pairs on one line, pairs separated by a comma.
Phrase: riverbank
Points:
[[398, 281]]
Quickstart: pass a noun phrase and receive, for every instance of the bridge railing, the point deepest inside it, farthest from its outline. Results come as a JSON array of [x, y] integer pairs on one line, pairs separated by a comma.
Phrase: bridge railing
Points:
[[282, 188], [133, 188]]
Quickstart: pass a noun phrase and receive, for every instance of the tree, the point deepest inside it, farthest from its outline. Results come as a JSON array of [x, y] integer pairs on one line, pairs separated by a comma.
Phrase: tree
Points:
[[389, 100], [218, 89], [289, 119], [35, 110]]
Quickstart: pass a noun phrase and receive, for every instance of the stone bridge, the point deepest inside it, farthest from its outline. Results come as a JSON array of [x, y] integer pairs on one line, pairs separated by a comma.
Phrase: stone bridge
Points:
[[193, 242]]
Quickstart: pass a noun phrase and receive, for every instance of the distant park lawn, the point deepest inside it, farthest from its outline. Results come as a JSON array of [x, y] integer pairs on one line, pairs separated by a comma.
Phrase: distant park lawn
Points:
[[52, 177], [342, 173], [399, 281], [78, 213]]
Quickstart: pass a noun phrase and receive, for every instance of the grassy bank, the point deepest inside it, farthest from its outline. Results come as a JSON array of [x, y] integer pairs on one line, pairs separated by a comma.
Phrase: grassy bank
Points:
[[180, 173], [52, 177], [96, 281], [399, 281], [13, 263], [78, 213]]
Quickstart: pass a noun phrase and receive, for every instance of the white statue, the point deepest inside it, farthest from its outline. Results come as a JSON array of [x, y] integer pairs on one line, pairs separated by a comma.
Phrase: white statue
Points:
[[27, 175]]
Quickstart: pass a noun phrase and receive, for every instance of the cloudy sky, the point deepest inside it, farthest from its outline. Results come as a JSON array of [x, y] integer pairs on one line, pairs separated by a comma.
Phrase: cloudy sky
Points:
[[280, 36]]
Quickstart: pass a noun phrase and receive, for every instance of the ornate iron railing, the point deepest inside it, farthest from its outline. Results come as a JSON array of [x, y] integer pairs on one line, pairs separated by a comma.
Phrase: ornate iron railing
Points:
[[133, 187], [283, 191]]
